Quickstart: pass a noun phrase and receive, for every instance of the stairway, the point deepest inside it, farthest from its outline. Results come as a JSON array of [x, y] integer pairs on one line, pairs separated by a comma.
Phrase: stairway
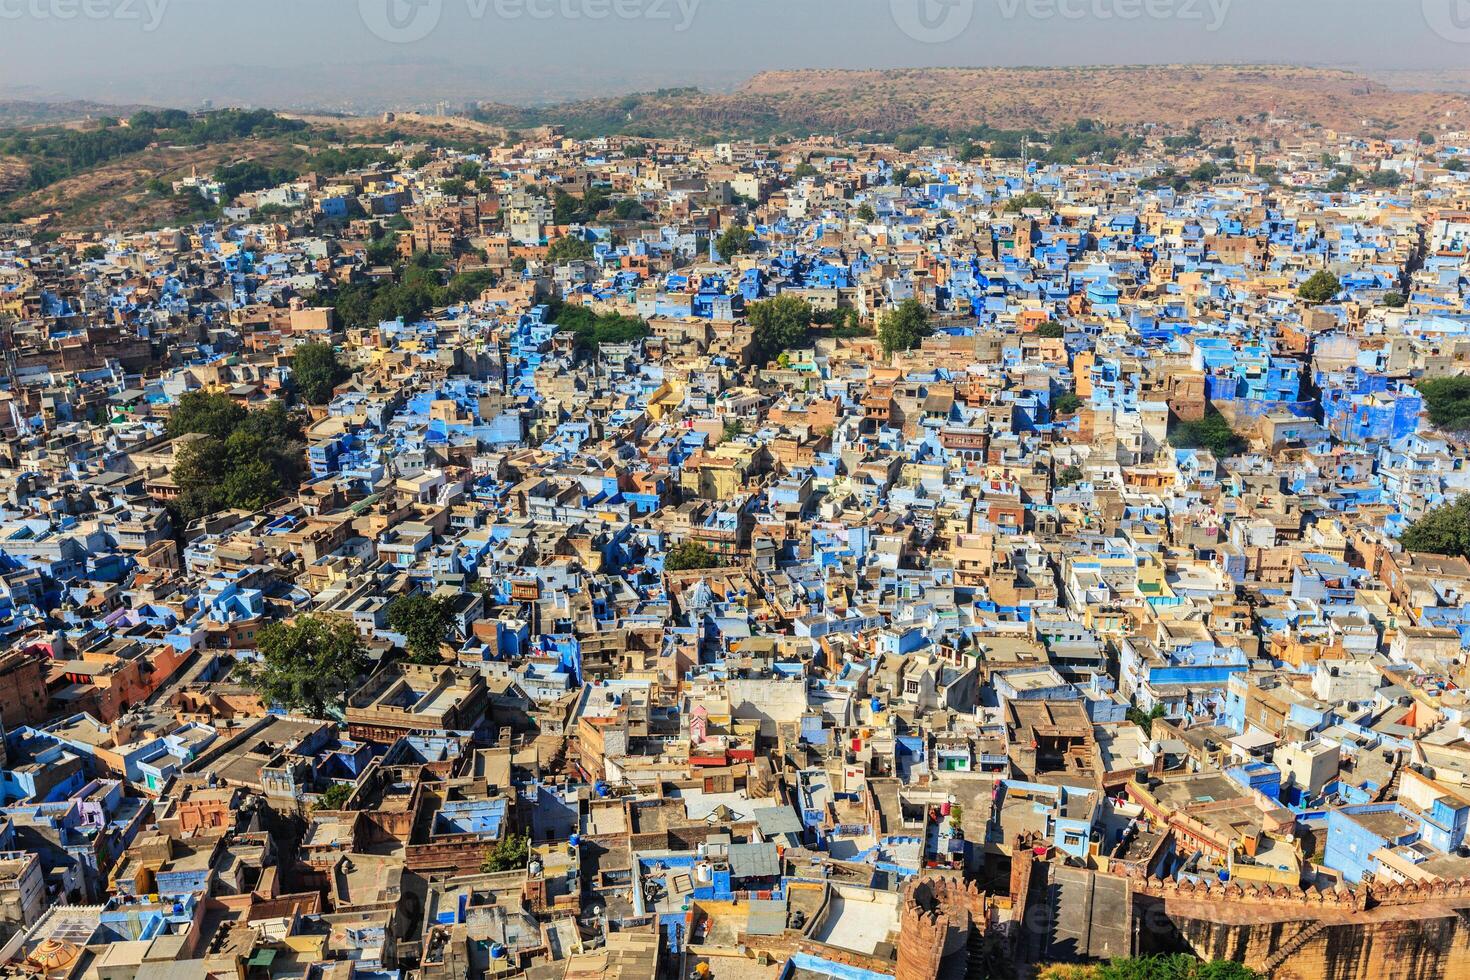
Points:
[[977, 967], [1293, 946]]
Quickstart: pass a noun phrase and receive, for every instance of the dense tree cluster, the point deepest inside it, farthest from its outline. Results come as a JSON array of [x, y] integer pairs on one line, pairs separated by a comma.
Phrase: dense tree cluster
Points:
[[1448, 401], [425, 623], [904, 328], [238, 458], [779, 325], [1212, 432], [308, 664], [691, 556], [592, 330], [419, 288], [1445, 531], [316, 371]]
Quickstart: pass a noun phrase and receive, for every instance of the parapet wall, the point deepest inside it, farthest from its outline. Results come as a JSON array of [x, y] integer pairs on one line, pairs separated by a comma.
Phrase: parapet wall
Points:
[[1375, 932]]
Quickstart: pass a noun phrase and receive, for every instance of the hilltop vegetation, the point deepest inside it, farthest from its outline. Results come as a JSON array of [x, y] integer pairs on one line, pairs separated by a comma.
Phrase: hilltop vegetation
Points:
[[120, 173]]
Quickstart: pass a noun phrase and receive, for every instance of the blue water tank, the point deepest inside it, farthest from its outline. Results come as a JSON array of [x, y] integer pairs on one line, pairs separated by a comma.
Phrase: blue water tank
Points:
[[576, 841], [497, 951]]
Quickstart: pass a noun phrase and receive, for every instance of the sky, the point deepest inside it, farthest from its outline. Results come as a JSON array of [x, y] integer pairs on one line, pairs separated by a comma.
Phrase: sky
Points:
[[370, 54]]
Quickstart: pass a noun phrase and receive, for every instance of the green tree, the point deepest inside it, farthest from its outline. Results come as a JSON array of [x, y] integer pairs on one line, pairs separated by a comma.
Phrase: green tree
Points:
[[569, 249], [1069, 476], [1395, 300], [467, 286], [1051, 330], [905, 327], [866, 214], [335, 797], [592, 330], [317, 371], [425, 622], [1212, 433], [1067, 403], [733, 241], [205, 413], [510, 853], [1204, 173], [1444, 531], [308, 664], [245, 460], [1321, 288], [1448, 400], [1022, 202], [94, 253], [691, 556], [1179, 966], [778, 325]]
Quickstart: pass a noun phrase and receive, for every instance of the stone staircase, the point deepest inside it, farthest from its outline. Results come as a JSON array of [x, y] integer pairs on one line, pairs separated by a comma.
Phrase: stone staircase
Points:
[[1293, 946]]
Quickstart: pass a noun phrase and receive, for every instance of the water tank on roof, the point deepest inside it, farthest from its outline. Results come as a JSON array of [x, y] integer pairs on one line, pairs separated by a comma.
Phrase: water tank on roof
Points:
[[575, 842], [497, 951]]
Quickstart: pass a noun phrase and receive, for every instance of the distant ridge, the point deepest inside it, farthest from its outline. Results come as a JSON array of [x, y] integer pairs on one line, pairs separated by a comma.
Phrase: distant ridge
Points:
[[892, 100], [1169, 94]]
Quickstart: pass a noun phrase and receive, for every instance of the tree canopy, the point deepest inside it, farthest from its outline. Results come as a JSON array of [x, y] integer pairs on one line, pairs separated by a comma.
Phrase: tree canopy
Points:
[[1445, 531], [1448, 400], [308, 664], [243, 459], [1321, 288], [424, 621], [691, 556], [905, 327], [592, 330], [569, 249], [1211, 432], [510, 853], [317, 371], [733, 242], [779, 324], [1031, 199]]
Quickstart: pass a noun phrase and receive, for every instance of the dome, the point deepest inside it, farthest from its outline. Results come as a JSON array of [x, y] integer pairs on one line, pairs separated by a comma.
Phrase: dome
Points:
[[54, 954]]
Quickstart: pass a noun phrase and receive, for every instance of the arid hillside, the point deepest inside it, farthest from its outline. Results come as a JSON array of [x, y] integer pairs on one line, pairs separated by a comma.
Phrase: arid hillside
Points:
[[1170, 95]]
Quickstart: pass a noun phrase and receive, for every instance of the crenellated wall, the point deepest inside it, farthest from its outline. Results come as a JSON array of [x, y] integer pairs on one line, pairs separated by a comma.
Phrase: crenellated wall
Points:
[[1376, 932]]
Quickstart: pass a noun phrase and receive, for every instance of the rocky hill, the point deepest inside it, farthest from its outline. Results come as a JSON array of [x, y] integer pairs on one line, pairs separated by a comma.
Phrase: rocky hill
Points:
[[801, 102]]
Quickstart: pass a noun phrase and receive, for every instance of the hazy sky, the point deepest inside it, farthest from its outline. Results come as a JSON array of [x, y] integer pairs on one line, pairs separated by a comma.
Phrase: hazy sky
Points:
[[384, 52]]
